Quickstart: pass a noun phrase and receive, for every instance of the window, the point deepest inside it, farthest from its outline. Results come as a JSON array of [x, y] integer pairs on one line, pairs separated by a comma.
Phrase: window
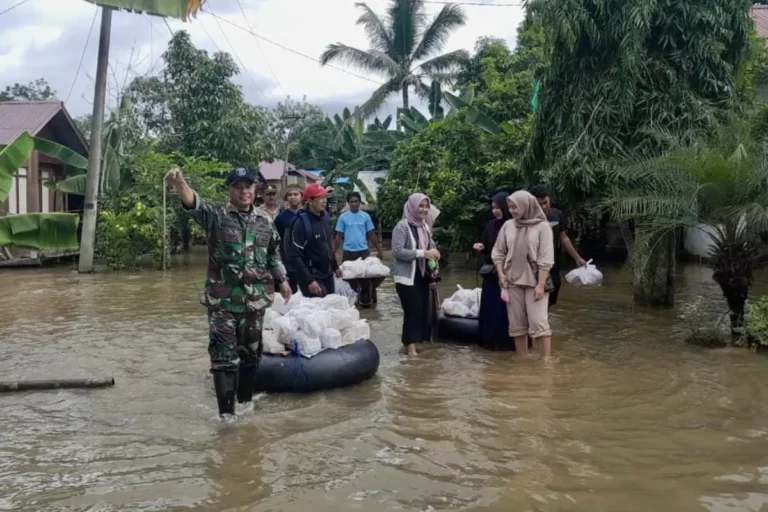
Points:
[[22, 180], [17, 197], [45, 192]]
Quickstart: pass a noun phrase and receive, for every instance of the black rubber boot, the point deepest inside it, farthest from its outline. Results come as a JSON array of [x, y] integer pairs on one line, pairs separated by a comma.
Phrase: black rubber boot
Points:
[[245, 384], [225, 384]]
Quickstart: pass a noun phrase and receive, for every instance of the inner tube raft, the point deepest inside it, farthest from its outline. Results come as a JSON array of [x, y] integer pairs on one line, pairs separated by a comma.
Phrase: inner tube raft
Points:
[[331, 368], [458, 329]]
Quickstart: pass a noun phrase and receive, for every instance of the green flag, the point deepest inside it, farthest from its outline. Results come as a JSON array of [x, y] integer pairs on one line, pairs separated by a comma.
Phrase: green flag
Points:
[[535, 97]]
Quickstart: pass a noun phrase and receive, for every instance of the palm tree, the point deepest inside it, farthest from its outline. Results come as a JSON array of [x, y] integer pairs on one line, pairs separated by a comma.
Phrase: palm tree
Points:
[[400, 43], [718, 185]]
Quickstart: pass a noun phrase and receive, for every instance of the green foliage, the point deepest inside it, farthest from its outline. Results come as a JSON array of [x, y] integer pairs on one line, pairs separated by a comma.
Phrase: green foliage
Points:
[[124, 237], [404, 46], [128, 232], [39, 90], [721, 183], [193, 108], [57, 231], [621, 71], [180, 9], [54, 231], [756, 322], [459, 167]]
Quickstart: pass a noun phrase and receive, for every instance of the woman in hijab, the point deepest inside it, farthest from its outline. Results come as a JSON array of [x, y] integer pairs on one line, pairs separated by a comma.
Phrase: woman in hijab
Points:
[[523, 255], [412, 249], [494, 326]]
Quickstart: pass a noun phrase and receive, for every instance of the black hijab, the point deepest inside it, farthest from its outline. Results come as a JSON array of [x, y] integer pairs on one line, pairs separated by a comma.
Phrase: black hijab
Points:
[[492, 228]]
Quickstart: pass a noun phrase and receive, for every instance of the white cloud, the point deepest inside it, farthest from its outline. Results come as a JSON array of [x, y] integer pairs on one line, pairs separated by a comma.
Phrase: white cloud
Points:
[[306, 26]]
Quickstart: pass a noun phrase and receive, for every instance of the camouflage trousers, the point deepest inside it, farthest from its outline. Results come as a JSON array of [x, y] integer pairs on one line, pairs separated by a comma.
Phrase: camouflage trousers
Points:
[[235, 340]]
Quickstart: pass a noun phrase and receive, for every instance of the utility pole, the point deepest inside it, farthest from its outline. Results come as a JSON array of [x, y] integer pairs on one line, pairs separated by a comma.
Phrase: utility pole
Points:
[[94, 152], [284, 180]]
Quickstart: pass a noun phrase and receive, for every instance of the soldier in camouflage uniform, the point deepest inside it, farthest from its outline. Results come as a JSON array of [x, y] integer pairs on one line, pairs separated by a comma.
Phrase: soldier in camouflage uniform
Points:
[[244, 266]]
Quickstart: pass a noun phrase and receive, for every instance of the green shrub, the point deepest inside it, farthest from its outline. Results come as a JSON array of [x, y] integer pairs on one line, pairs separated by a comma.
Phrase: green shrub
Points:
[[124, 237], [756, 322]]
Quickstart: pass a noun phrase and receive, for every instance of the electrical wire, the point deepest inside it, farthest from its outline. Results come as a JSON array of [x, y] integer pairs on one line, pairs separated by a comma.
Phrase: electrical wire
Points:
[[292, 50], [82, 56], [13, 6], [258, 45], [234, 52]]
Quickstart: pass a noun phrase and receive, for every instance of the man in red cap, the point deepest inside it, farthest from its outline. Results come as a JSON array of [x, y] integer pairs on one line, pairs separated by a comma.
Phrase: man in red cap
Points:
[[309, 245]]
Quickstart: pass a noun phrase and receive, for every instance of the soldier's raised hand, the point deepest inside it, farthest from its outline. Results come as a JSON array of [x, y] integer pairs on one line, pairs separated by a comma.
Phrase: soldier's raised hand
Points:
[[175, 177]]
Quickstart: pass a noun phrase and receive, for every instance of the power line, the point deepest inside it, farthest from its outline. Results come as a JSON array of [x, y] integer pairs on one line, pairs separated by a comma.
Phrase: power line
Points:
[[13, 6], [294, 51], [234, 52], [87, 40], [258, 45]]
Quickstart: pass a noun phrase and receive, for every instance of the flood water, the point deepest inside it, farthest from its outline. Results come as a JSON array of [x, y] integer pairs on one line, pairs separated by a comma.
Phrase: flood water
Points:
[[626, 417]]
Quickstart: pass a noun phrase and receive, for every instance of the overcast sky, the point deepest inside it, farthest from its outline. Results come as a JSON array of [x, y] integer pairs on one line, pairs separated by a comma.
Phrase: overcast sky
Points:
[[46, 38]]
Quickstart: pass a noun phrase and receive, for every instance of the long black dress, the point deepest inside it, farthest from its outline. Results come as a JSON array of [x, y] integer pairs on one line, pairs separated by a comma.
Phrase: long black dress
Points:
[[494, 323]]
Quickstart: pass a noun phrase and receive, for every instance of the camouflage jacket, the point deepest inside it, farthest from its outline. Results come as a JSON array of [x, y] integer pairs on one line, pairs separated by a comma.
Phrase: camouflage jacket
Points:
[[243, 257]]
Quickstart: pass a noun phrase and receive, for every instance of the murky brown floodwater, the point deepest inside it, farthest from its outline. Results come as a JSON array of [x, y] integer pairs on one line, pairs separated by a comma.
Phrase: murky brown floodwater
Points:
[[626, 418]]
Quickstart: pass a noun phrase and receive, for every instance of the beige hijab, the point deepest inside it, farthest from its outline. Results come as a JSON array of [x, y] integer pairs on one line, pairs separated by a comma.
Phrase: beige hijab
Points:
[[529, 213]]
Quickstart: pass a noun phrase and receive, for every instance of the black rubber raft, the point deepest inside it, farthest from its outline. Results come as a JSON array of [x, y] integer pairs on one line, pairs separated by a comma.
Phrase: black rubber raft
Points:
[[458, 329], [331, 368]]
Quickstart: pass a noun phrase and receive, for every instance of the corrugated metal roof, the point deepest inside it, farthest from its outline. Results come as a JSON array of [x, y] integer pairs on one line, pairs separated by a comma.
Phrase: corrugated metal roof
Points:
[[31, 116], [273, 170], [759, 15]]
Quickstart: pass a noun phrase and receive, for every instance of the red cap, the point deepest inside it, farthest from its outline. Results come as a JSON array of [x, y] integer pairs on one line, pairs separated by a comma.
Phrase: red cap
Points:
[[314, 190]]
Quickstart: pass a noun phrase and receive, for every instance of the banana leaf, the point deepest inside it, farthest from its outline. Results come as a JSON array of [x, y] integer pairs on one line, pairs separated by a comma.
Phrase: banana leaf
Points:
[[53, 231], [12, 157], [482, 121], [455, 102], [72, 185], [180, 9], [65, 155]]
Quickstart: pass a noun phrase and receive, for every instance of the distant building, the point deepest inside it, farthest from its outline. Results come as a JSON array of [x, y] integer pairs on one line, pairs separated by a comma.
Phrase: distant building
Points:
[[273, 172]]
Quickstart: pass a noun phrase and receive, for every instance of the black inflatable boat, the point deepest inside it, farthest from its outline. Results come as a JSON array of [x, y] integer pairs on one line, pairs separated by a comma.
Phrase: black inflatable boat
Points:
[[331, 368]]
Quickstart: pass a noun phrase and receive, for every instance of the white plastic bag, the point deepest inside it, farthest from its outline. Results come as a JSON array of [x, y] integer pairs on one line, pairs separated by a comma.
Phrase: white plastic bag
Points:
[[377, 271], [360, 330], [453, 308], [341, 319], [588, 275], [270, 315], [314, 323], [331, 338], [342, 287], [334, 301], [278, 305], [284, 329], [307, 345], [271, 343], [466, 297]]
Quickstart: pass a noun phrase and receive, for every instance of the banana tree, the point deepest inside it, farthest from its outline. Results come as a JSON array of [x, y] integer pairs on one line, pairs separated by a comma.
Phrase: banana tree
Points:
[[181, 9], [112, 155], [474, 115], [54, 231]]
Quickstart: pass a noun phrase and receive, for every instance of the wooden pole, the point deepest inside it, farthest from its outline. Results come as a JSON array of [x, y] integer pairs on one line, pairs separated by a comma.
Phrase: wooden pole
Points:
[[165, 229], [28, 385], [94, 151]]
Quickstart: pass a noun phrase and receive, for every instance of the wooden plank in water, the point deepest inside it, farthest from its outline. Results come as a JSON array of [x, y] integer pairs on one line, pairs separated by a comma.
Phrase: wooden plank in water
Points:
[[36, 385]]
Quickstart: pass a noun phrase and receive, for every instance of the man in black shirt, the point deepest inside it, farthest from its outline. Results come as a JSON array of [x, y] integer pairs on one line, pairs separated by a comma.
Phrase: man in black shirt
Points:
[[309, 246], [561, 238]]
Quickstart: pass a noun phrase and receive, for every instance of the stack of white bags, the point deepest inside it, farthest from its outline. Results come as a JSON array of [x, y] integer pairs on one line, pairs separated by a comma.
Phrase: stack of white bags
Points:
[[463, 303], [364, 268], [311, 325]]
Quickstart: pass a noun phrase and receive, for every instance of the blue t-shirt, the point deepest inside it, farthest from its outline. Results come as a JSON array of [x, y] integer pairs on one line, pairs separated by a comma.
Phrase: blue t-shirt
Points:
[[355, 228]]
